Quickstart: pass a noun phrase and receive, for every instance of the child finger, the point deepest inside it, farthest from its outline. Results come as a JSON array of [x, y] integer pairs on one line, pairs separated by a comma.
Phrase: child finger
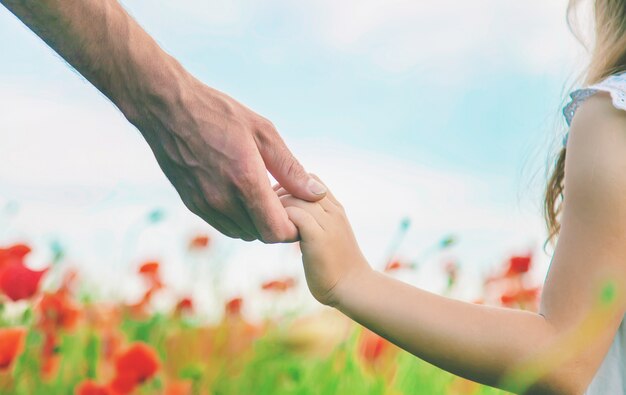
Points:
[[312, 208], [306, 224], [326, 204]]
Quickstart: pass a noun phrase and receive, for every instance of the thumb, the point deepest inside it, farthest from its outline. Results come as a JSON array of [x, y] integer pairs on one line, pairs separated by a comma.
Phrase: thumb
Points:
[[289, 172]]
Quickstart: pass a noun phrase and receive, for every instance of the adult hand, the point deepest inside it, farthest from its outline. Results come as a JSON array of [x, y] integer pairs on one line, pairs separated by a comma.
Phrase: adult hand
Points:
[[215, 151]]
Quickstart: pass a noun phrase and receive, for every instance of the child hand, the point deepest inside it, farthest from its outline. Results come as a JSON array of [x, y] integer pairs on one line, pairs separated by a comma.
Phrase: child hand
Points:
[[330, 253]]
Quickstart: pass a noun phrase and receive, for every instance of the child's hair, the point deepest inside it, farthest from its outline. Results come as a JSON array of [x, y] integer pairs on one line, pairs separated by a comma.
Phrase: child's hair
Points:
[[608, 56]]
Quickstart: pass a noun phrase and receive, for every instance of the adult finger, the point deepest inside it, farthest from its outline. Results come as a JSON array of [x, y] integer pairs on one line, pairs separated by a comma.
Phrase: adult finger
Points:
[[218, 220], [233, 220], [325, 203], [285, 167], [328, 203], [222, 223], [231, 208], [265, 209], [329, 193], [187, 188], [282, 192]]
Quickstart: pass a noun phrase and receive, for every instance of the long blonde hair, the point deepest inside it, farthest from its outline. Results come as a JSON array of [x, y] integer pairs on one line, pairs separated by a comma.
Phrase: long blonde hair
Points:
[[608, 56]]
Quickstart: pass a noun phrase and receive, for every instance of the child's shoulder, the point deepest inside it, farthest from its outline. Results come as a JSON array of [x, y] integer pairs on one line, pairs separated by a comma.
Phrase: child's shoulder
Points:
[[596, 151], [596, 162], [599, 121], [612, 87]]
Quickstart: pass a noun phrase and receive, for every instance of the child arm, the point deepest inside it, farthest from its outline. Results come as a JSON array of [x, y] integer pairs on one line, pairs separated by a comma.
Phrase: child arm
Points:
[[556, 351]]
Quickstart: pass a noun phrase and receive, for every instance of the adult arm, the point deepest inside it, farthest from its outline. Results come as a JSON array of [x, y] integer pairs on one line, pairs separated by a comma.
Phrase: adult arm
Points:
[[557, 351], [215, 151]]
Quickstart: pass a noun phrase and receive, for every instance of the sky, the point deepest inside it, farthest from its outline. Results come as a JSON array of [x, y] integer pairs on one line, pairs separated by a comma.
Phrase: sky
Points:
[[440, 111]]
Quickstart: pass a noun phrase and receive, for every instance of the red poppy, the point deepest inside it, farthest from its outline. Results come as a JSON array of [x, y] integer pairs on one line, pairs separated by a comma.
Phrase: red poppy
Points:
[[90, 387], [185, 305], [372, 346], [133, 367], [518, 265], [151, 271], [508, 299], [233, 306], [199, 242], [18, 281], [149, 268], [13, 253], [58, 311], [123, 383], [11, 345], [50, 344], [524, 297], [50, 354], [280, 285], [397, 265], [50, 365], [179, 387]]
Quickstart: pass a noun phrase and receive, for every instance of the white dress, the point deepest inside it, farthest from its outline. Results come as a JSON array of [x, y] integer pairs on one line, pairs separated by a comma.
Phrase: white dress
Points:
[[611, 376]]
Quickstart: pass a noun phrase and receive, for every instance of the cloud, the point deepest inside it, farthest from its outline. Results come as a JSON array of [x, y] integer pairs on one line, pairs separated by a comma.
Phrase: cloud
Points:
[[194, 19], [438, 36], [49, 139], [402, 34]]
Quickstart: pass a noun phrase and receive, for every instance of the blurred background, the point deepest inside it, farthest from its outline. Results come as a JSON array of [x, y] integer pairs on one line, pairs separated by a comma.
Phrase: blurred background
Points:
[[439, 113]]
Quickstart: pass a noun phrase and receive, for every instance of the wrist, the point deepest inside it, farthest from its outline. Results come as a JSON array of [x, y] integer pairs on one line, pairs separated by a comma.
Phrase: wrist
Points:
[[151, 85], [151, 88], [164, 97], [347, 290]]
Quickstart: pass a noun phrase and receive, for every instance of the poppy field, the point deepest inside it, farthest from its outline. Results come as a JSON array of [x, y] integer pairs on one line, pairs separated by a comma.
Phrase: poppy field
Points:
[[57, 339]]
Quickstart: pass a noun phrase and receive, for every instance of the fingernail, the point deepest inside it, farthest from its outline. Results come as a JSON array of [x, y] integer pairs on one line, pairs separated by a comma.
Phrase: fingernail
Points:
[[316, 187]]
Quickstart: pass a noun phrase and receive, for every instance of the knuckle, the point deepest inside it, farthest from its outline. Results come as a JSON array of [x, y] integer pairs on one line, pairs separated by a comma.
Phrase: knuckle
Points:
[[340, 211], [217, 201], [245, 178], [265, 131], [265, 125]]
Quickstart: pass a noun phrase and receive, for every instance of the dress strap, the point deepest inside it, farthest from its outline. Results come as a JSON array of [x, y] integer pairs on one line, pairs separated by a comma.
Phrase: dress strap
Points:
[[614, 84]]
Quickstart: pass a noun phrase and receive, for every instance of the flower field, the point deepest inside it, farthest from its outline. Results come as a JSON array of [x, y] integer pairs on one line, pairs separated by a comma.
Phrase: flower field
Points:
[[57, 340]]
